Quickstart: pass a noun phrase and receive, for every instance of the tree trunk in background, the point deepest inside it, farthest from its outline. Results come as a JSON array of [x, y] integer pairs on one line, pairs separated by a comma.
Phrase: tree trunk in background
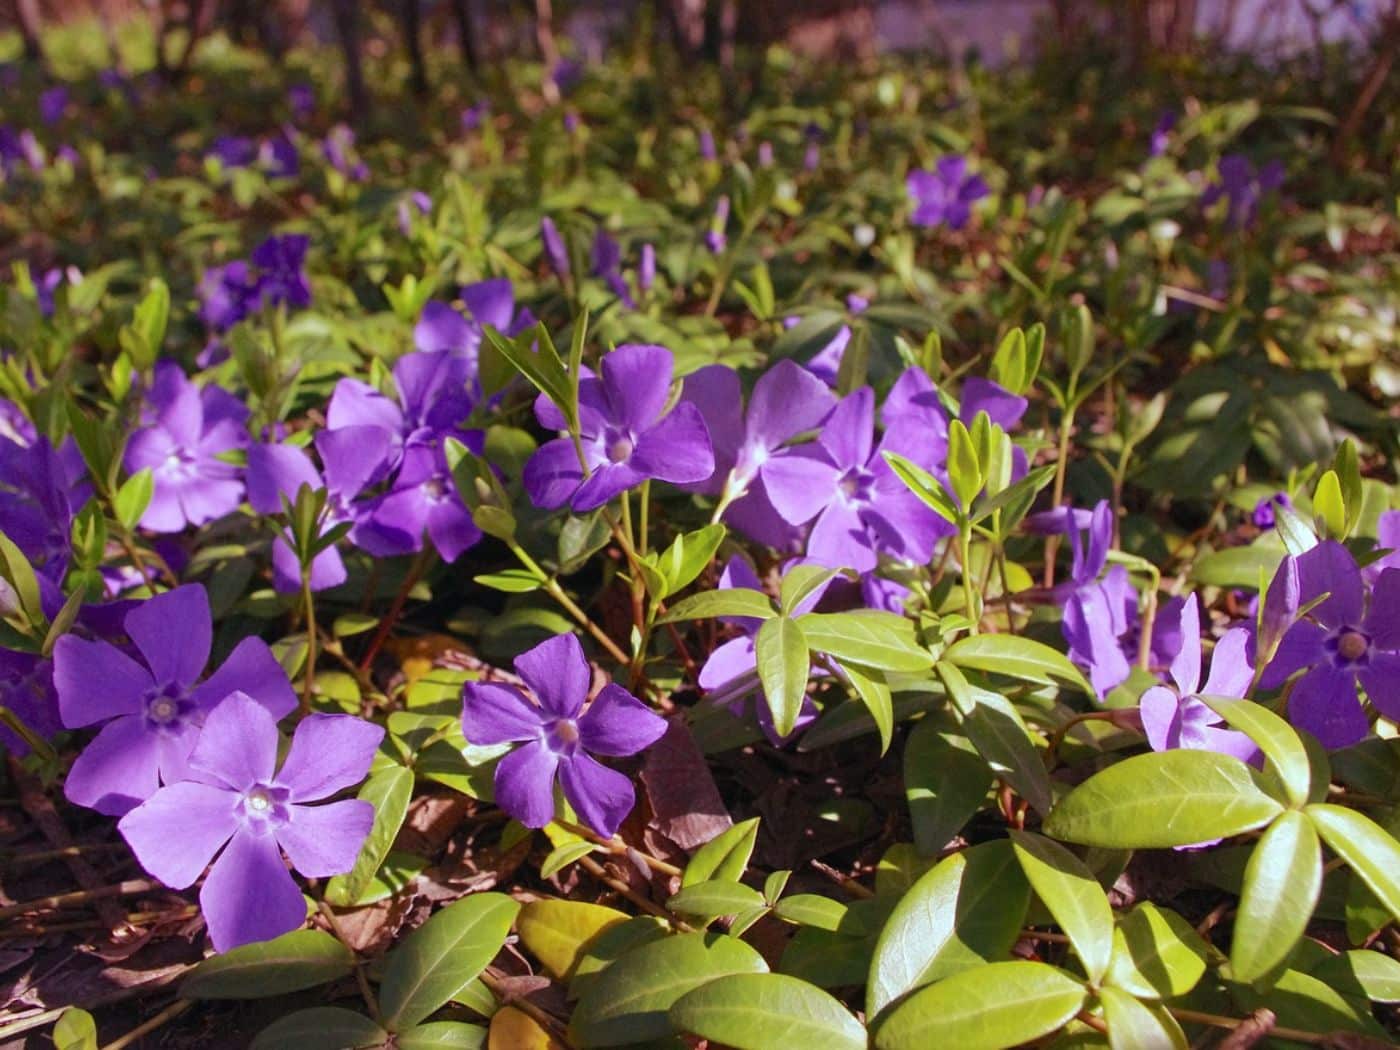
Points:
[[1387, 50], [411, 14], [27, 14], [549, 49], [466, 35], [347, 27]]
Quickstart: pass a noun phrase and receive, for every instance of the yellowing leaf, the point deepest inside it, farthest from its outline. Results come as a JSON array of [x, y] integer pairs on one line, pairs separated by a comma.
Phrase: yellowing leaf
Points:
[[513, 1029], [558, 932]]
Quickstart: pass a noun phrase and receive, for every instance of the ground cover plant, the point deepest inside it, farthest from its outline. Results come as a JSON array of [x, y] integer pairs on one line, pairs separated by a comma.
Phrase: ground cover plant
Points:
[[907, 557]]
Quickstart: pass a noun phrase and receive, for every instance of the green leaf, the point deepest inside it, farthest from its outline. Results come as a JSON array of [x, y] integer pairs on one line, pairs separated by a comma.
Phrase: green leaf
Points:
[[784, 664], [1163, 799], [15, 568], [874, 692], [688, 555], [134, 496], [1078, 903], [1362, 973], [562, 856], [869, 637], [1135, 1025], [1016, 657], [1329, 506], [726, 856], [321, 1028], [798, 583], [1303, 1002], [628, 1002], [609, 946], [442, 955], [924, 485], [389, 791], [1156, 954], [964, 471], [945, 783], [715, 897], [1282, 883], [966, 910], [75, 1030], [557, 931], [1275, 737], [511, 581], [822, 913], [989, 1007], [734, 601], [1000, 735], [296, 960], [442, 1035], [1368, 850], [758, 1011]]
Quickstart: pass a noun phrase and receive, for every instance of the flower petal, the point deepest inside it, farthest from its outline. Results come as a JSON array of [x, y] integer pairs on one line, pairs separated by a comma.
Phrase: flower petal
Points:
[[238, 745], [328, 754], [249, 894], [174, 632], [606, 482], [786, 400], [96, 680], [277, 471], [1382, 681], [677, 449], [176, 832], [849, 431], [493, 713], [799, 485], [637, 381], [617, 723], [839, 539], [1230, 669], [1186, 665], [553, 474], [525, 784], [602, 797], [325, 840], [118, 770], [733, 660], [1160, 709], [1301, 647], [250, 668], [557, 672], [1324, 702], [1330, 569], [1383, 618]]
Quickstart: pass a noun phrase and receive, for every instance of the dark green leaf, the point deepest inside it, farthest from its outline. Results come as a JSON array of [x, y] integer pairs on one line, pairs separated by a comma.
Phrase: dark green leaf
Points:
[[297, 960], [758, 1011], [321, 1028], [945, 782], [784, 664]]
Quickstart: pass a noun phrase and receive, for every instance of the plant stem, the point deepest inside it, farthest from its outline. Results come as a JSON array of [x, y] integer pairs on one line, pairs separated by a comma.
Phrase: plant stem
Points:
[[386, 625], [1052, 542], [309, 684], [555, 591], [144, 1029]]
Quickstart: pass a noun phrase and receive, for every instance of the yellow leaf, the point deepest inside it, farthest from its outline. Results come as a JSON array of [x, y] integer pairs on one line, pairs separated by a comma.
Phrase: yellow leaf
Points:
[[556, 932], [513, 1029]]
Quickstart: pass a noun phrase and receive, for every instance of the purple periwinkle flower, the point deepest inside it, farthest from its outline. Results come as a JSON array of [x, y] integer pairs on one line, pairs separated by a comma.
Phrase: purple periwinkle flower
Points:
[[557, 735], [235, 799], [281, 263], [1263, 514], [186, 430], [945, 195], [607, 264], [19, 149], [826, 362], [707, 145], [234, 151], [554, 248], [227, 294], [26, 691], [646, 268], [52, 104], [625, 432], [1161, 134], [715, 238], [278, 156], [41, 488], [422, 498], [1243, 187], [416, 201], [1349, 638], [441, 326], [152, 710], [1176, 718], [302, 100], [475, 115], [765, 154]]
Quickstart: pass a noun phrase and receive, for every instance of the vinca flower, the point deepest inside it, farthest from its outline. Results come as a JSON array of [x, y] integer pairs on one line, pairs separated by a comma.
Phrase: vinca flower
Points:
[[607, 264], [1264, 514], [1174, 718], [1242, 187], [626, 435], [187, 430], [944, 196], [715, 238], [52, 104], [234, 799], [26, 691], [556, 735], [1161, 133], [1348, 639], [441, 326], [151, 710], [826, 362], [554, 248], [422, 499]]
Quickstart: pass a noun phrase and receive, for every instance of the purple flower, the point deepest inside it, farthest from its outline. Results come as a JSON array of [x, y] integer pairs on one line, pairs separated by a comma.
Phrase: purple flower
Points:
[[474, 115], [607, 264], [422, 499], [1263, 513], [234, 151], [278, 156], [442, 327], [730, 675], [187, 428], [26, 690], [52, 103], [235, 798], [1161, 134], [765, 154], [41, 488], [707, 145], [826, 362], [1343, 641], [862, 508], [153, 709], [1243, 188], [281, 263], [302, 100], [227, 295], [433, 400], [945, 195], [1177, 718], [415, 201], [715, 238], [554, 248], [1387, 539], [556, 736], [338, 149], [19, 148], [626, 435], [646, 268]]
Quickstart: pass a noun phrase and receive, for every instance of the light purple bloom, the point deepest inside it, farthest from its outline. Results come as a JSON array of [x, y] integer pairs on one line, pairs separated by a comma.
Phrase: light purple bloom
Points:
[[626, 438], [715, 238], [41, 488], [187, 428], [422, 498], [227, 294], [475, 115], [278, 156], [646, 268], [1345, 640], [152, 710], [1177, 718], [415, 201], [52, 104], [19, 148], [765, 154], [556, 735], [281, 263], [442, 326], [1388, 539], [707, 145], [826, 362], [234, 151], [1161, 134], [235, 799], [607, 264], [945, 195], [554, 248]]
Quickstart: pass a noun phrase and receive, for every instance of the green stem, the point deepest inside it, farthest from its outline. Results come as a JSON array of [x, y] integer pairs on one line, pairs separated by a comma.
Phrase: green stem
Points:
[[969, 589], [555, 591], [309, 603], [1052, 542]]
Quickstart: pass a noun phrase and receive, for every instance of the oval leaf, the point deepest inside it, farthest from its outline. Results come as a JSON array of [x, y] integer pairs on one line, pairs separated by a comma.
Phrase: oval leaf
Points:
[[1275, 737], [726, 856], [389, 791], [733, 601], [1367, 848], [442, 955], [870, 638], [442, 1035], [1136, 1025], [986, 1008], [756, 1011], [1163, 799], [1068, 888], [557, 932], [1156, 954], [945, 783], [321, 1028], [1281, 885], [709, 900], [784, 664], [1016, 657], [297, 960]]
